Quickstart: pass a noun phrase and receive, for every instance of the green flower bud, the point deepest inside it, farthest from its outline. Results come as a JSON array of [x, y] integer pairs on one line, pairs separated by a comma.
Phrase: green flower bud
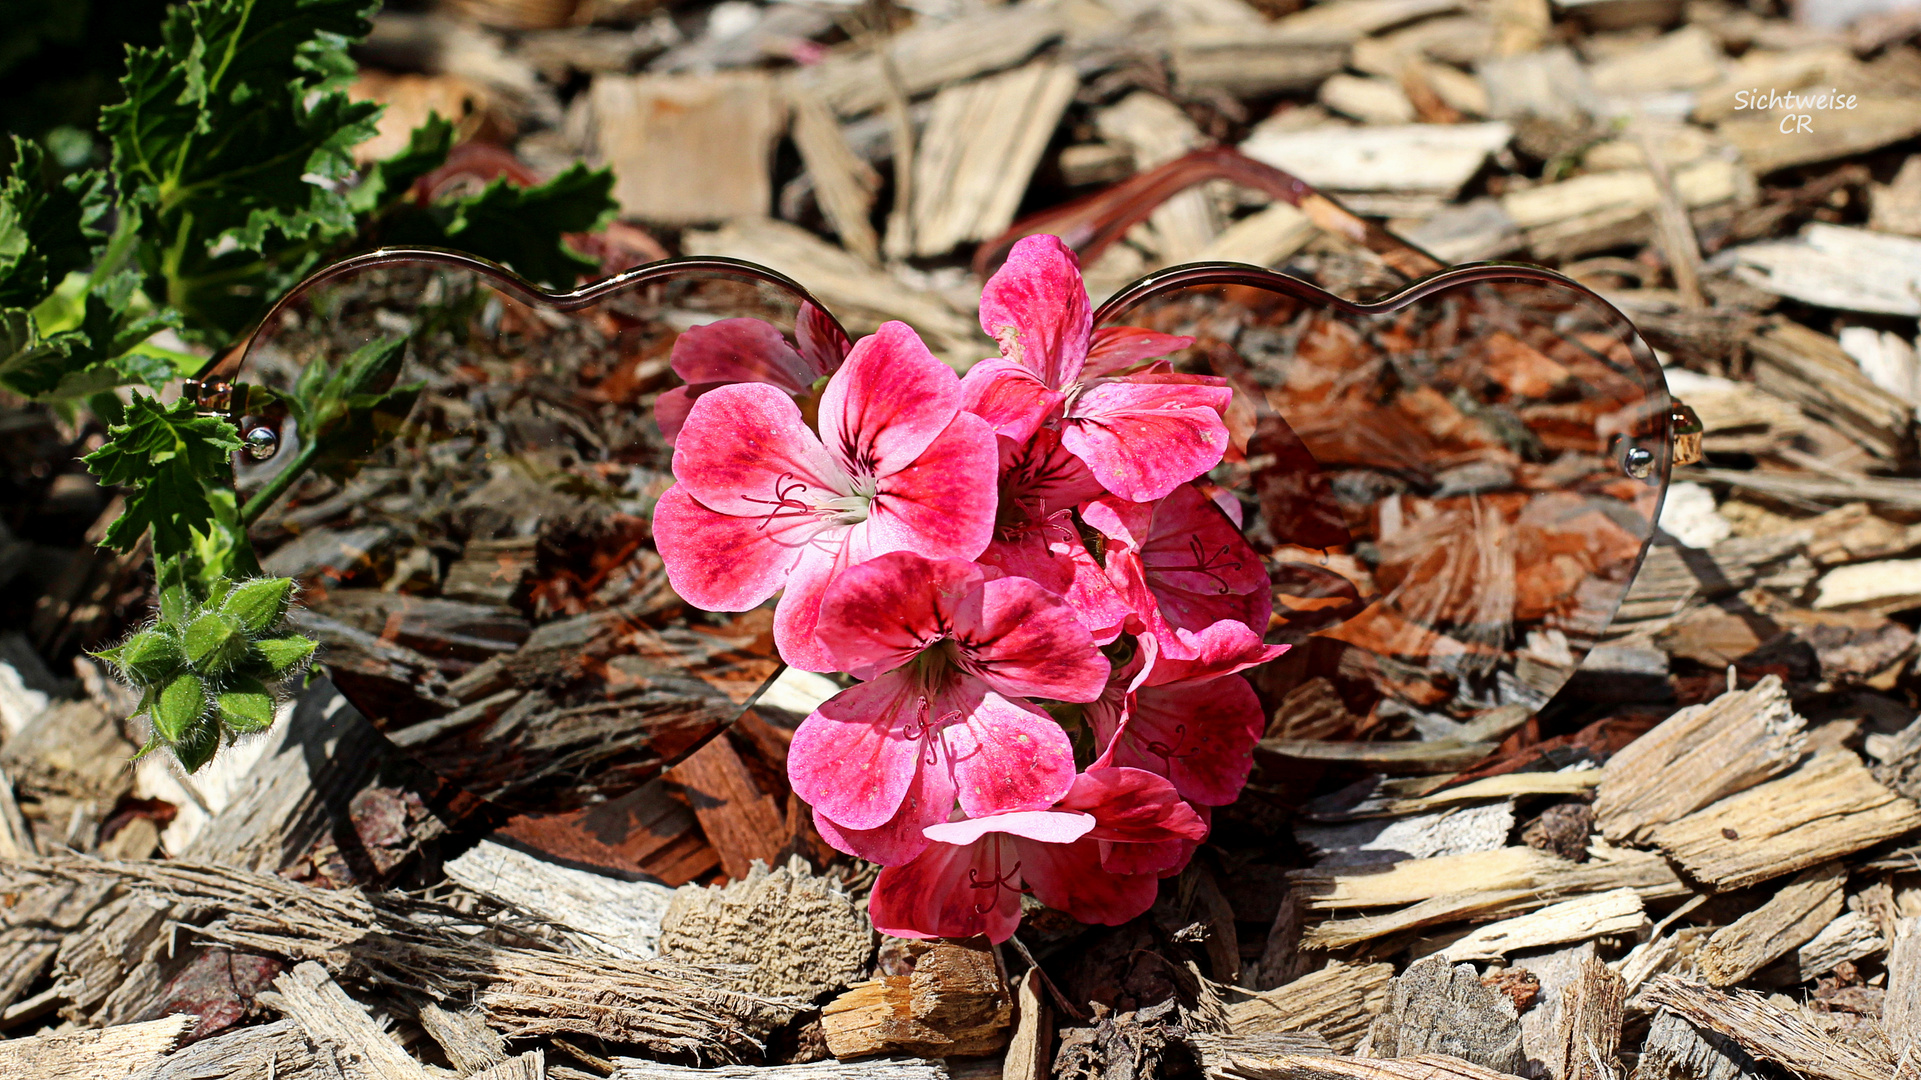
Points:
[[258, 604], [175, 604], [213, 642], [197, 744], [149, 657], [245, 707], [281, 655], [179, 707]]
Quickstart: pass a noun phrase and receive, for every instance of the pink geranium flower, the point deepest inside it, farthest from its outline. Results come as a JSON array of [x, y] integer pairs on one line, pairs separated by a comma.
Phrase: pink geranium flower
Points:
[[1193, 721], [1097, 854], [762, 504], [1143, 433], [1182, 566], [749, 350], [1035, 535], [949, 650]]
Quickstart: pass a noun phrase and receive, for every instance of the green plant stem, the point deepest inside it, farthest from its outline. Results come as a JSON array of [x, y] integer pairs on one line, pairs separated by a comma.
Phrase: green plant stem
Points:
[[278, 486]]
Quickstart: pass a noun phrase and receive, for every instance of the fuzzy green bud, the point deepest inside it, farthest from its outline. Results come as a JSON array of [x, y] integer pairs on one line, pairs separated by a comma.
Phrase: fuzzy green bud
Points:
[[213, 642], [258, 604], [197, 744], [245, 707], [175, 604], [179, 706], [281, 655], [149, 657]]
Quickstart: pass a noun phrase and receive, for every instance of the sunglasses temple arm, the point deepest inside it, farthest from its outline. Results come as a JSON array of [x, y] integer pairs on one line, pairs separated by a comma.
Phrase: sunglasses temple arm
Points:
[[1092, 224]]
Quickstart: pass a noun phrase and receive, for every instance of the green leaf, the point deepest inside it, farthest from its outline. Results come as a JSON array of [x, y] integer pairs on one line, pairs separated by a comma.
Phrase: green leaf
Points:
[[213, 642], [520, 227], [257, 605], [282, 655], [196, 745], [178, 705], [169, 455], [225, 129], [148, 657], [391, 179], [45, 232], [245, 707]]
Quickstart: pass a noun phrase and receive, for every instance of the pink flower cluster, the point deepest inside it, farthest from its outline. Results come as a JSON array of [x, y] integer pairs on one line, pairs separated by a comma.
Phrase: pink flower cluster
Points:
[[1000, 560]]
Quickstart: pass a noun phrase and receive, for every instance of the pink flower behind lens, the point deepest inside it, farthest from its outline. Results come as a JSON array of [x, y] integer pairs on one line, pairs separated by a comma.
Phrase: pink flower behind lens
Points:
[[1097, 855], [1141, 434], [1195, 721], [950, 652], [1182, 566], [763, 505], [741, 350]]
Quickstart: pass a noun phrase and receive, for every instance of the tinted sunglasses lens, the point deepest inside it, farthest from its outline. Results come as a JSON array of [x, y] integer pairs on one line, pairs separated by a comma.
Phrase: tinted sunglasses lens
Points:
[[1452, 493], [461, 480]]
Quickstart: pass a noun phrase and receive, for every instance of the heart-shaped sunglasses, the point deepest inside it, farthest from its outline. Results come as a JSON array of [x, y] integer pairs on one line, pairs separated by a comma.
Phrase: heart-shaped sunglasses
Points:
[[1450, 486]]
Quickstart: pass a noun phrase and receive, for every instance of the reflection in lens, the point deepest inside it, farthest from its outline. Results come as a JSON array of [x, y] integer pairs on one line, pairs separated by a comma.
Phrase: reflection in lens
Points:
[[462, 482], [1438, 490]]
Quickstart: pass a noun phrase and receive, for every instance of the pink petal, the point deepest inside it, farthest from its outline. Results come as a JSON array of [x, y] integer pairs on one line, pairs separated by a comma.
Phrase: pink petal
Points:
[[722, 563], [855, 757], [1157, 860], [1025, 642], [1012, 399], [888, 403], [823, 344], [1041, 477], [881, 613], [929, 801], [1047, 826], [1064, 567], [935, 895], [1221, 649], [1006, 755], [797, 616], [1070, 878], [671, 409], [1145, 435], [940, 506], [1132, 806], [745, 452], [739, 350], [1116, 348], [1036, 307], [1200, 736]]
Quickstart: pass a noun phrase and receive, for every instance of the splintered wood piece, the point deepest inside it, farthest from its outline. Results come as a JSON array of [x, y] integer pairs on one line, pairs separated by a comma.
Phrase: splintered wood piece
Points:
[[308, 995], [1590, 1024], [1849, 937], [1418, 1067], [1617, 911], [1901, 1009], [880, 1069], [531, 1065], [1727, 745], [1434, 911], [954, 1003], [978, 151], [1438, 1007], [934, 53], [1677, 1050], [621, 918], [864, 297], [1827, 808], [1507, 785], [463, 1034], [1811, 370], [718, 131], [1255, 1055], [1791, 917], [1027, 1052], [844, 184], [799, 934], [526, 986], [740, 820], [1157, 131], [114, 1051], [1432, 159], [1511, 868], [1261, 239], [1771, 140], [1836, 267], [1337, 1003], [1767, 1031]]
